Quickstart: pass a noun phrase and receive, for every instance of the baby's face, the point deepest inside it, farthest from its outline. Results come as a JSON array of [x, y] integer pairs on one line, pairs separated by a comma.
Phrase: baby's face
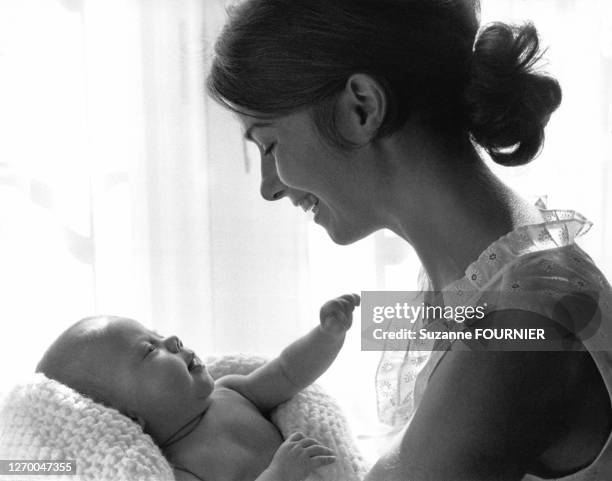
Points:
[[152, 378]]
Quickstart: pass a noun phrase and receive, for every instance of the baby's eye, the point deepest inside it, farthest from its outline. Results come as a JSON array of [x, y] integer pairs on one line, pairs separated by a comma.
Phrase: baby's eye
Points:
[[150, 348]]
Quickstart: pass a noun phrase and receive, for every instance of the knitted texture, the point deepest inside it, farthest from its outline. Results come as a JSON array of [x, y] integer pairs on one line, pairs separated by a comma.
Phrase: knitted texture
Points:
[[43, 419]]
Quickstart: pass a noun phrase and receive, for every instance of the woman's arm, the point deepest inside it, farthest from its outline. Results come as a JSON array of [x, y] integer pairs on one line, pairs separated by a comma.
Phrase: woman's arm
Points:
[[485, 415]]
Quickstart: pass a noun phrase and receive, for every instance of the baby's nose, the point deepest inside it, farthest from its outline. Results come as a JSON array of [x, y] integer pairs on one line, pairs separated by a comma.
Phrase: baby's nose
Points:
[[174, 343]]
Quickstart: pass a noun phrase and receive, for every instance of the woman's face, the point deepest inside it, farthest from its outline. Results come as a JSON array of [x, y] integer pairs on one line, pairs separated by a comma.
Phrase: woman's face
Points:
[[298, 164]]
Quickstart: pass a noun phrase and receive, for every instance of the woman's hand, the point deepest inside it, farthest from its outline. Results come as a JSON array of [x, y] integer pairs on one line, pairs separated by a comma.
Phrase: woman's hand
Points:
[[297, 457], [337, 315]]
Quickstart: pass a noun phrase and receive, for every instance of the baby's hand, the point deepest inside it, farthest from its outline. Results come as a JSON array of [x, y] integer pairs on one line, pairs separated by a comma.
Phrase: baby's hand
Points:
[[337, 315], [299, 456]]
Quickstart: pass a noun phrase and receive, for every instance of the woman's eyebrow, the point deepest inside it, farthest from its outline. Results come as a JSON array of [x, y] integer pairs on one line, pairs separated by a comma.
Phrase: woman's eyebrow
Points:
[[249, 133]]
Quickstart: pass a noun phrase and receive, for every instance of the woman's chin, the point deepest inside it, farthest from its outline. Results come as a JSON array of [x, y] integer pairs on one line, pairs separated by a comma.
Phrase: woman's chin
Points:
[[341, 230], [341, 240], [345, 235]]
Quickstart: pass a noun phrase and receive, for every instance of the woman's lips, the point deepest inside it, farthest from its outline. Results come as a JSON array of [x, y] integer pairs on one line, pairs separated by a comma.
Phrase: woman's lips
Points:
[[309, 202]]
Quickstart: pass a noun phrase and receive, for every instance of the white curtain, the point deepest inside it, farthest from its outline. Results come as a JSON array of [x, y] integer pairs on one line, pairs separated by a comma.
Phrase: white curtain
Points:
[[125, 190]]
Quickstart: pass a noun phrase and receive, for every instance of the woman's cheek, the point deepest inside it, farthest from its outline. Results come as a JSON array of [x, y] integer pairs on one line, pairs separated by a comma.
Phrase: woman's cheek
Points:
[[292, 170], [283, 171]]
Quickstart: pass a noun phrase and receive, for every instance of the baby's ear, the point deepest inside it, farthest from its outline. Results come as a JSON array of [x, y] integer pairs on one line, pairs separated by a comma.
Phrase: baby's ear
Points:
[[138, 420]]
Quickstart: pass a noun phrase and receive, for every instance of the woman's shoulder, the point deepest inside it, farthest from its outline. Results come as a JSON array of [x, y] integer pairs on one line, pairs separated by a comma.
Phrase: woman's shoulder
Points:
[[562, 284], [537, 252], [569, 263]]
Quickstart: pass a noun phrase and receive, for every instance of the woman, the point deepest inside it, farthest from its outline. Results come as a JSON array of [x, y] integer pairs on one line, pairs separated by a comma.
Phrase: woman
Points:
[[373, 113]]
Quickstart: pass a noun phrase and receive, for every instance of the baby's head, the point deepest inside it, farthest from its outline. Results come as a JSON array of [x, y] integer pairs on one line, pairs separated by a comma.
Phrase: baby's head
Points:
[[118, 362]]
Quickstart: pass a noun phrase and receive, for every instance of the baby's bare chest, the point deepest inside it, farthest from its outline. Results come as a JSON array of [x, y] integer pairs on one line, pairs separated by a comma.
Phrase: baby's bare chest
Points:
[[234, 441]]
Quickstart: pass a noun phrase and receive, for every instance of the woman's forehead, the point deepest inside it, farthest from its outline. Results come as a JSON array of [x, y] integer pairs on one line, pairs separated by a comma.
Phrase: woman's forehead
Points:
[[291, 123]]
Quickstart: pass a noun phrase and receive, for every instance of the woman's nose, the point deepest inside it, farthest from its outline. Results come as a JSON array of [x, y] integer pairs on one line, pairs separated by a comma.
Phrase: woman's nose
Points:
[[271, 186], [173, 343]]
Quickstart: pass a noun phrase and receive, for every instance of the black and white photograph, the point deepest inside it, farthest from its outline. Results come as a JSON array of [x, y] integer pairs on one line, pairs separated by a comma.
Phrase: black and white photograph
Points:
[[306, 240]]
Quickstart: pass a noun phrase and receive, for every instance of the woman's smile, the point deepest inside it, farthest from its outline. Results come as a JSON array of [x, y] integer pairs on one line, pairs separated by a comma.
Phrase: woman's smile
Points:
[[308, 202]]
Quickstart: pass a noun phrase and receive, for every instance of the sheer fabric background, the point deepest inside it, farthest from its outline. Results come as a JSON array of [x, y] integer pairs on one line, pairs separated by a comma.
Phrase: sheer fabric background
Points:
[[125, 190]]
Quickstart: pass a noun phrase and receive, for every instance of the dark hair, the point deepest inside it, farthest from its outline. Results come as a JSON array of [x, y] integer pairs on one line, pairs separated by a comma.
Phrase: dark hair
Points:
[[507, 102], [277, 56]]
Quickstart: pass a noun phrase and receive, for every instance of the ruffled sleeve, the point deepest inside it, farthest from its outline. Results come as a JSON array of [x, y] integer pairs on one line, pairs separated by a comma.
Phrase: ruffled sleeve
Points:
[[537, 268], [563, 285]]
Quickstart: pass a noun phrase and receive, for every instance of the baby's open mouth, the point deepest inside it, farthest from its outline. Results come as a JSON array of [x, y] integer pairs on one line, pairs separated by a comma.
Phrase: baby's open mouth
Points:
[[195, 363]]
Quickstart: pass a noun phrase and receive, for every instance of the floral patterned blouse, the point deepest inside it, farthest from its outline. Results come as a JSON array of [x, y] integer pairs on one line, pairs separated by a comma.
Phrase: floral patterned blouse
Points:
[[535, 267]]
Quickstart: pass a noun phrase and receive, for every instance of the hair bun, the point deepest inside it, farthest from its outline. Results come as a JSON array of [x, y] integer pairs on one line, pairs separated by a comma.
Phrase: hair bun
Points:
[[508, 103]]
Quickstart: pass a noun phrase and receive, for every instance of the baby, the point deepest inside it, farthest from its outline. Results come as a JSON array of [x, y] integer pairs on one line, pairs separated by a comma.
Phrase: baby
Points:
[[208, 430]]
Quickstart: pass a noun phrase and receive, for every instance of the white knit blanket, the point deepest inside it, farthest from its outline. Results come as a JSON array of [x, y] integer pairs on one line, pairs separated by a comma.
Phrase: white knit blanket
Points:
[[41, 419]]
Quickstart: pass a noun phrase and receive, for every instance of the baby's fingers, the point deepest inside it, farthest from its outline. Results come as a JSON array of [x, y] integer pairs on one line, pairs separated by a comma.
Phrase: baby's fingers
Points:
[[306, 442], [345, 304], [353, 299], [318, 450], [295, 437], [319, 461]]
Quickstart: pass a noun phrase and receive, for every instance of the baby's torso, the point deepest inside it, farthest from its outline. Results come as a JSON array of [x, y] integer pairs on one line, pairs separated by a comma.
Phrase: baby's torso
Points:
[[234, 441]]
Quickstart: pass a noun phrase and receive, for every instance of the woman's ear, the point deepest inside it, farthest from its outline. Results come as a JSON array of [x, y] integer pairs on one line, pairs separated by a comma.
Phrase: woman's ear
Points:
[[360, 109]]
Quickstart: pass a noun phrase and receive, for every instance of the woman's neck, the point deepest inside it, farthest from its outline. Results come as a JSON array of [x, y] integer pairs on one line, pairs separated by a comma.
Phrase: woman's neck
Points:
[[450, 207]]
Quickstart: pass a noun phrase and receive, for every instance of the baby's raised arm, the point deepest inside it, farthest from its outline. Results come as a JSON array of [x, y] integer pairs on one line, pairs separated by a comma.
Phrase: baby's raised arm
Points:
[[300, 363]]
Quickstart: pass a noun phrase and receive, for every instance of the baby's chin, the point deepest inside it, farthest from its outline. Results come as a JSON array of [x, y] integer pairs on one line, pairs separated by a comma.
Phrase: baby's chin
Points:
[[202, 383], [208, 386]]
